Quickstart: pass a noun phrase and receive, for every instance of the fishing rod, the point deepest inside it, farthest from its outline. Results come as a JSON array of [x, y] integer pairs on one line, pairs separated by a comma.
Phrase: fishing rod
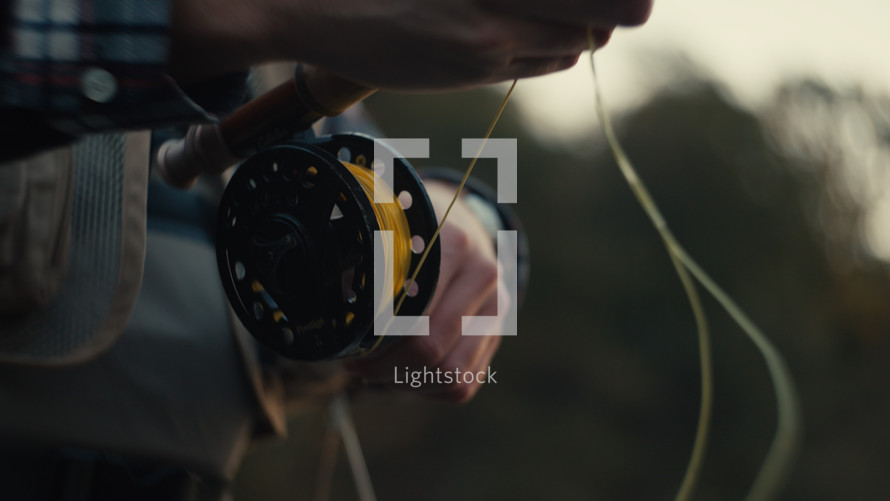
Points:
[[296, 224]]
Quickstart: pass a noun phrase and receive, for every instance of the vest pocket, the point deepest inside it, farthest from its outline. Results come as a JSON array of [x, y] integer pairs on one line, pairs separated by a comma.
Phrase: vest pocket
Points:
[[35, 213]]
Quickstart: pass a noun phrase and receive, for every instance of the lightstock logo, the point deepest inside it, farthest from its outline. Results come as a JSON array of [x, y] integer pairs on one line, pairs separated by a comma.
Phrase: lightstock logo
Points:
[[505, 322]]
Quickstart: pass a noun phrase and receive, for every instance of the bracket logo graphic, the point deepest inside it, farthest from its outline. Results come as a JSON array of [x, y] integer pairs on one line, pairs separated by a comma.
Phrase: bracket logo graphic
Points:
[[505, 323]]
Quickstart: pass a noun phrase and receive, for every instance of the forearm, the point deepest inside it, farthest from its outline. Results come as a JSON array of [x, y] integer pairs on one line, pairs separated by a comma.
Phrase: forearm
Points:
[[75, 66], [395, 44]]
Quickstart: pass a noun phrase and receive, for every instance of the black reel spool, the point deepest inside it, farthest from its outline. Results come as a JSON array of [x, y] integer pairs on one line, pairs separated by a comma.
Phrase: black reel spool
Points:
[[295, 247]]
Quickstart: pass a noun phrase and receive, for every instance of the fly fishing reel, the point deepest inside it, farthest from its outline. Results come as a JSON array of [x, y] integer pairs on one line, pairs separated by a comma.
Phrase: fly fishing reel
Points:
[[295, 245]]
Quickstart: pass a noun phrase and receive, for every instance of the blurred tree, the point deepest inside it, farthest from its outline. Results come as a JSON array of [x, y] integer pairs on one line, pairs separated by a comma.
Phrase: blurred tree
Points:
[[842, 137]]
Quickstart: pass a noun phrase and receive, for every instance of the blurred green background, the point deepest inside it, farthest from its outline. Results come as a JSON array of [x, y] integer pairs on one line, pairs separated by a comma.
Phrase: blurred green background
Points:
[[597, 398]]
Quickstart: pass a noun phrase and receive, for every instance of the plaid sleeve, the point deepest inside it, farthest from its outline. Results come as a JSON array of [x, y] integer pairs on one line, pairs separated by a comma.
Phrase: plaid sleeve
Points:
[[91, 65]]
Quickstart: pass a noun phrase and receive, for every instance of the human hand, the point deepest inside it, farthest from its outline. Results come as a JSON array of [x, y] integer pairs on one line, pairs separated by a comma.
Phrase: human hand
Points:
[[394, 44], [468, 285]]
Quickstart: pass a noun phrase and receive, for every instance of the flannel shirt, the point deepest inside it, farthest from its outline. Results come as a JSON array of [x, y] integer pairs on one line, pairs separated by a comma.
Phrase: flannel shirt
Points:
[[70, 67]]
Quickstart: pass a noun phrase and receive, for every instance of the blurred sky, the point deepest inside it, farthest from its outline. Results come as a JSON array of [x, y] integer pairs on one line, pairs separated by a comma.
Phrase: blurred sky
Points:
[[748, 45]]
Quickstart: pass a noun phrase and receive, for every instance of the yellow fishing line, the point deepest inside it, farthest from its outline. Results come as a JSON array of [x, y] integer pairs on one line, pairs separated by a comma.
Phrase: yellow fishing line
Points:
[[786, 441], [390, 217], [457, 193]]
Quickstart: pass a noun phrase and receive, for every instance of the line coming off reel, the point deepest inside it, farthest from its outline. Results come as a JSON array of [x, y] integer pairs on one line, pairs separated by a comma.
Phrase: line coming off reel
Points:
[[295, 245]]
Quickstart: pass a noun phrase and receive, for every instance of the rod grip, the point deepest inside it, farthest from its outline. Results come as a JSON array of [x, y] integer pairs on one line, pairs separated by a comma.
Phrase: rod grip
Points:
[[291, 107], [326, 93]]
